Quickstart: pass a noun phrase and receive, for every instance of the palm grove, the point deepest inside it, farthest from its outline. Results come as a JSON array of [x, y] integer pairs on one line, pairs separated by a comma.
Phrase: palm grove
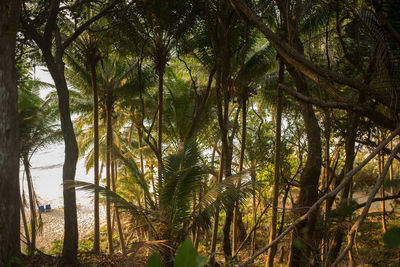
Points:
[[245, 125]]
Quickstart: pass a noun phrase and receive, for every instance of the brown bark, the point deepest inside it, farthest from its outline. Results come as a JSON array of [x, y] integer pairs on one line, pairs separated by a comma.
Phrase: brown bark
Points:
[[211, 259], [9, 146], [32, 244], [381, 164], [277, 163], [118, 218], [253, 236], [160, 122], [56, 69], [26, 229], [109, 145], [96, 241], [236, 211]]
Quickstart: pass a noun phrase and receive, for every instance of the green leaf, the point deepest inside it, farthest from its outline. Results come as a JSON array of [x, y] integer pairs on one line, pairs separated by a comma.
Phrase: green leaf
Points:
[[154, 261], [187, 256], [392, 237]]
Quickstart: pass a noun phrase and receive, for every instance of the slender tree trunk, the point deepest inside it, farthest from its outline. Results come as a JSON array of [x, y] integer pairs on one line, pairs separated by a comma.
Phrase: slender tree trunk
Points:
[[326, 184], [253, 237], [33, 217], [277, 163], [96, 241], [140, 136], [120, 232], [28, 240], [108, 168], [226, 230], [236, 212], [391, 171], [381, 164], [211, 259], [26, 228], [197, 239], [9, 146], [160, 122]]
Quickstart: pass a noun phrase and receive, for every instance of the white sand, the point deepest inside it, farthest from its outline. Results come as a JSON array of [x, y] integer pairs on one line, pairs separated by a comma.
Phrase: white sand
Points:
[[53, 225]]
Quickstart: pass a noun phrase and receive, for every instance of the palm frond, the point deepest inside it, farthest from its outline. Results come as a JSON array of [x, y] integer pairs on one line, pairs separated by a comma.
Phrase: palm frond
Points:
[[182, 177], [136, 175], [117, 200]]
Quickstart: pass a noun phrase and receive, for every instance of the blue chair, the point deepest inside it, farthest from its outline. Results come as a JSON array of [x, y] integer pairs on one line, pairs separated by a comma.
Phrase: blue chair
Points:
[[41, 209], [48, 207]]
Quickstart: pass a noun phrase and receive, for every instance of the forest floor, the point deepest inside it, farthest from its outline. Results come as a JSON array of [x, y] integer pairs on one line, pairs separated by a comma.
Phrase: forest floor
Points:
[[368, 250]]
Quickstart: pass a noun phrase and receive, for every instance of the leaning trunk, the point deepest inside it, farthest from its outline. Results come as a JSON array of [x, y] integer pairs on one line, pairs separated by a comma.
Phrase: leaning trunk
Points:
[[32, 245], [9, 158], [23, 217]]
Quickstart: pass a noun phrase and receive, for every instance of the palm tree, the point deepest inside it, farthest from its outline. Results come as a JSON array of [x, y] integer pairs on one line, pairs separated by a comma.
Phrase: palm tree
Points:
[[176, 216], [37, 129]]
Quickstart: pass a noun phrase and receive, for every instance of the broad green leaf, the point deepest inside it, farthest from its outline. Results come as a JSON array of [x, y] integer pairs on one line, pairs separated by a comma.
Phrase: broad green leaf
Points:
[[187, 256]]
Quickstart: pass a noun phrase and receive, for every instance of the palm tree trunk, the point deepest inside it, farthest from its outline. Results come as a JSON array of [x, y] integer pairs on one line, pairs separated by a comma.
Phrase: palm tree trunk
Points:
[[241, 160], [9, 145], [160, 122], [96, 241], [32, 247], [211, 259], [120, 232], [391, 171], [28, 240], [253, 237], [140, 140], [277, 163], [108, 168], [326, 183], [381, 164]]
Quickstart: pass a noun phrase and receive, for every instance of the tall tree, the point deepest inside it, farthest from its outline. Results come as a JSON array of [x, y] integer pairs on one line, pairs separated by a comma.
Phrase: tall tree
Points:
[[9, 163], [277, 165], [53, 43]]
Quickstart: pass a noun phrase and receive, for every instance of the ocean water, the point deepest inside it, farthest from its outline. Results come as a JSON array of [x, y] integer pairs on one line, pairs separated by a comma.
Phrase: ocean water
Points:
[[46, 170]]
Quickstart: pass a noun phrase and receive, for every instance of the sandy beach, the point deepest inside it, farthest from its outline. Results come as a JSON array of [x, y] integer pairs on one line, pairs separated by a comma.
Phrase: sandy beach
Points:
[[53, 225]]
